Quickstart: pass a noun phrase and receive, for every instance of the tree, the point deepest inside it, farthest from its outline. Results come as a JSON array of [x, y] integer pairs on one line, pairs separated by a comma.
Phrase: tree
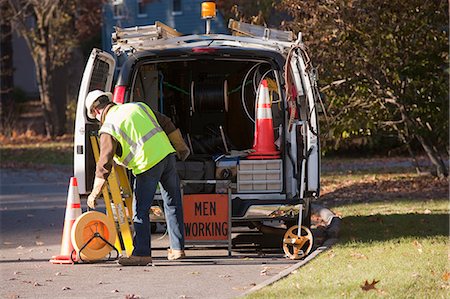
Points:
[[51, 29], [385, 67], [258, 12], [7, 106]]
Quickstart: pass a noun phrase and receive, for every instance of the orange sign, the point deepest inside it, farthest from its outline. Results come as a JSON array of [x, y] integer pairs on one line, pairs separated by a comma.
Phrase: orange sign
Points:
[[205, 217]]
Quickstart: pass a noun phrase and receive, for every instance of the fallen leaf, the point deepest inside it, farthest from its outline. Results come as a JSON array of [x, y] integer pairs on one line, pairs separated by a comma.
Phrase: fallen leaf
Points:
[[418, 246], [369, 286], [446, 276], [264, 271], [358, 255]]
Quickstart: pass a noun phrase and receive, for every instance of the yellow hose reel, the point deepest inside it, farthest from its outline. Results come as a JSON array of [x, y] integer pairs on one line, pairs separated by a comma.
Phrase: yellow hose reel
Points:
[[297, 246], [93, 234]]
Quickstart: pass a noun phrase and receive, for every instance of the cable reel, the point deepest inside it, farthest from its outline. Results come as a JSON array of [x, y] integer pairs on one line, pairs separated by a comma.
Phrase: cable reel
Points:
[[93, 235], [297, 246]]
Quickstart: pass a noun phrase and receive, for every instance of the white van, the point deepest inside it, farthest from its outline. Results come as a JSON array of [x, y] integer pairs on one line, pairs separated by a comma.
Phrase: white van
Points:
[[210, 85]]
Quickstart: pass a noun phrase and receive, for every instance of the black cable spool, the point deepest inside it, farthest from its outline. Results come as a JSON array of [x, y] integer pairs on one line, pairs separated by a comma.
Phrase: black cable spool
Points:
[[209, 96]]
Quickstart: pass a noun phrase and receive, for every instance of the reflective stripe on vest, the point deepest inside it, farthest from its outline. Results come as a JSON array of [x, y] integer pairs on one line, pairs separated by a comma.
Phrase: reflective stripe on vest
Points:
[[133, 153]]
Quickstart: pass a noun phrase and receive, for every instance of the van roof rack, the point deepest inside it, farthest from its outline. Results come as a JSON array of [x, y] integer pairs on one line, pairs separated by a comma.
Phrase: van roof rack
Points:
[[245, 29], [159, 35], [134, 37]]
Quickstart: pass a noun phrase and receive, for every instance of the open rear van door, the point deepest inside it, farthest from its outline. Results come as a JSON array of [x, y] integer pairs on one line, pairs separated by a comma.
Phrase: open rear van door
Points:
[[98, 74], [305, 85]]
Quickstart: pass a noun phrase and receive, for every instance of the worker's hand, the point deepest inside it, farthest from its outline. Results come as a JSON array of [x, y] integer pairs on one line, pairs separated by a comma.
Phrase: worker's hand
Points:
[[180, 146], [96, 190], [92, 201]]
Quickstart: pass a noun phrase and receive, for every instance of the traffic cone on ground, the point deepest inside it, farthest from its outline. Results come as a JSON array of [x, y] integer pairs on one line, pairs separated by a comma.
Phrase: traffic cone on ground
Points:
[[73, 210], [264, 141]]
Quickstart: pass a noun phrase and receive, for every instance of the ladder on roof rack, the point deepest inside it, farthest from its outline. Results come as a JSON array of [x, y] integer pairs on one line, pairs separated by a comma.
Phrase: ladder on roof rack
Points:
[[134, 37], [245, 29]]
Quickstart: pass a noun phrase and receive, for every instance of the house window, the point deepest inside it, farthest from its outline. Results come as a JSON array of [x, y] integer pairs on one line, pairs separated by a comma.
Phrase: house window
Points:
[[118, 8], [141, 8], [176, 7]]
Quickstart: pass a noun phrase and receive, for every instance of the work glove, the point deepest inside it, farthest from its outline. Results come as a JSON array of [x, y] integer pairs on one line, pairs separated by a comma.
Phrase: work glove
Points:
[[96, 190], [180, 146]]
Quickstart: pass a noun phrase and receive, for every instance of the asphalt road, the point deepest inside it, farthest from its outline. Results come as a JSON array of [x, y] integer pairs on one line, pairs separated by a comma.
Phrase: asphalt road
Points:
[[32, 208]]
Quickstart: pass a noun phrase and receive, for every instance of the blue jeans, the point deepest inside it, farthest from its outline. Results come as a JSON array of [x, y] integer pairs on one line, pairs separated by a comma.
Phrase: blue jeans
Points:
[[145, 184]]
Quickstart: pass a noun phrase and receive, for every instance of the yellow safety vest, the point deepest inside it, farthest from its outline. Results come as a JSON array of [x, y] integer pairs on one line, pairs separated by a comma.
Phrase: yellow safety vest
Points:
[[144, 143]]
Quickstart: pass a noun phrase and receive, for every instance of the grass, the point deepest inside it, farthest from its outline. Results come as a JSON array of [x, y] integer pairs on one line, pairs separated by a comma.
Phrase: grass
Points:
[[36, 152], [402, 244]]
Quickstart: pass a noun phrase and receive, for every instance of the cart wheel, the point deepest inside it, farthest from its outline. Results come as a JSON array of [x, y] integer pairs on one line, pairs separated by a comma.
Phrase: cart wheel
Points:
[[296, 247]]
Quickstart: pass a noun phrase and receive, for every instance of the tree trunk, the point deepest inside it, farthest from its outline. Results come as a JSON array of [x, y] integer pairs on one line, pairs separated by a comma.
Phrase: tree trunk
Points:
[[433, 155], [44, 75], [43, 79], [7, 105], [441, 168]]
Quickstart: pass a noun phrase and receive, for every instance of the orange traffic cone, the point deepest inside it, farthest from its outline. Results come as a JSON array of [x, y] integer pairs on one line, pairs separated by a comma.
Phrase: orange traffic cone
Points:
[[264, 142], [73, 210]]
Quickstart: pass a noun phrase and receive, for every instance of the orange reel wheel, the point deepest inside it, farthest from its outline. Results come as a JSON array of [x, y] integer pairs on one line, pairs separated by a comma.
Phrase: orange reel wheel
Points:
[[87, 233], [296, 247]]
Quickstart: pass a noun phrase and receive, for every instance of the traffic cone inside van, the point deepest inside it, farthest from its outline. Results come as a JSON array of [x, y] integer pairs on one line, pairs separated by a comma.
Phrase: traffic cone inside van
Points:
[[73, 210], [264, 141]]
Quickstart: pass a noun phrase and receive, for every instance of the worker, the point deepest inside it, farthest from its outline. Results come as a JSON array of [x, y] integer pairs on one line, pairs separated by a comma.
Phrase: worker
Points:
[[131, 135]]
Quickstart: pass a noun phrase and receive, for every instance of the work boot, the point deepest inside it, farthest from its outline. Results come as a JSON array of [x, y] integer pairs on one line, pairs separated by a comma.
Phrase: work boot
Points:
[[134, 260], [173, 254]]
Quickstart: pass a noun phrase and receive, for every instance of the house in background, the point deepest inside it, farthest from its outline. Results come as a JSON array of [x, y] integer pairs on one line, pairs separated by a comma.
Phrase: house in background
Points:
[[182, 15]]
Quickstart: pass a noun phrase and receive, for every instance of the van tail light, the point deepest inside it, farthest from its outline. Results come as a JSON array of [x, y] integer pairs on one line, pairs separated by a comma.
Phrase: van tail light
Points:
[[119, 94], [203, 50]]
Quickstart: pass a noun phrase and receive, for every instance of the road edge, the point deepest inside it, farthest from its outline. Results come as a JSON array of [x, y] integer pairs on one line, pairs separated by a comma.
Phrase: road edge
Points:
[[326, 245]]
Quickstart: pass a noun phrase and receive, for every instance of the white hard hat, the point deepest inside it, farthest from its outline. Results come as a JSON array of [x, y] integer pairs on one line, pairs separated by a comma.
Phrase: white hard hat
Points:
[[92, 97]]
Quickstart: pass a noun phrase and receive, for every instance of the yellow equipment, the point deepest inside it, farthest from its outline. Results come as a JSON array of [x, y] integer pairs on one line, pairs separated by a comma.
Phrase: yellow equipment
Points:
[[117, 194]]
